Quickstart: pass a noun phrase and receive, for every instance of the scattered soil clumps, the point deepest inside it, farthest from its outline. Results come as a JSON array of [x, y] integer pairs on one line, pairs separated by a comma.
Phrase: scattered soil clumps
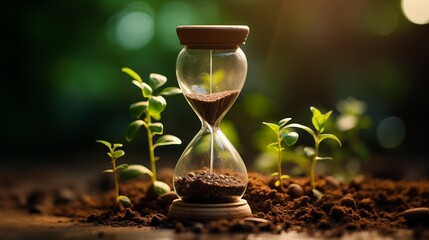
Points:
[[363, 204]]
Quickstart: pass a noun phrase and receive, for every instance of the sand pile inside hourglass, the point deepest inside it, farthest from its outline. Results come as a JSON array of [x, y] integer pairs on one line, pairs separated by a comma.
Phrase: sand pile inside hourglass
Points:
[[211, 106], [204, 186]]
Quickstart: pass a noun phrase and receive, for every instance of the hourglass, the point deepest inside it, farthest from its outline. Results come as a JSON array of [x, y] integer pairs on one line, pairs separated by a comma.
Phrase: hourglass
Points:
[[210, 177]]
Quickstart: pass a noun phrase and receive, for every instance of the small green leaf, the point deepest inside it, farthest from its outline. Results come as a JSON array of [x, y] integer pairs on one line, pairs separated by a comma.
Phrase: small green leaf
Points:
[[323, 158], [161, 188], [317, 193], [315, 111], [170, 91], [277, 149], [133, 128], [118, 153], [138, 108], [124, 200], [147, 90], [318, 123], [274, 174], [110, 154], [138, 84], [108, 171], [317, 119], [116, 145], [132, 74], [122, 166], [167, 140], [329, 136], [107, 144], [305, 128], [156, 117], [284, 121], [273, 126], [157, 80], [289, 138], [157, 104], [272, 145], [284, 177], [277, 183], [327, 115], [134, 171], [156, 128]]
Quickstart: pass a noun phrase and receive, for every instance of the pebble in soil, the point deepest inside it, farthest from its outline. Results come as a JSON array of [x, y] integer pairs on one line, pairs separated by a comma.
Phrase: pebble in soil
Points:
[[207, 187], [416, 216]]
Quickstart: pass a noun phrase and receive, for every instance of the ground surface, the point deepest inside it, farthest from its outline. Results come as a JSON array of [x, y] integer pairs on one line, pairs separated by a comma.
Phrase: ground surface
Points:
[[21, 225], [29, 209]]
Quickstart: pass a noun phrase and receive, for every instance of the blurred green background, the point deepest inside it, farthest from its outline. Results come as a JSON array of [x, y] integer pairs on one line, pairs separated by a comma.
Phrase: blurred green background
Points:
[[62, 85]]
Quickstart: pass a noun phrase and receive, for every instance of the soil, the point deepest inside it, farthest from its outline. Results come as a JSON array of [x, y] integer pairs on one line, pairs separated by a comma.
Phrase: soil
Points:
[[204, 187], [212, 106], [364, 203]]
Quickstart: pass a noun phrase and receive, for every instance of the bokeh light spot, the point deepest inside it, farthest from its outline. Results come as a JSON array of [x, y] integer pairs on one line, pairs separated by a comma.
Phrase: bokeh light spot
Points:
[[258, 106], [171, 15], [346, 122], [133, 27], [134, 30], [416, 11], [351, 106], [382, 19], [391, 132]]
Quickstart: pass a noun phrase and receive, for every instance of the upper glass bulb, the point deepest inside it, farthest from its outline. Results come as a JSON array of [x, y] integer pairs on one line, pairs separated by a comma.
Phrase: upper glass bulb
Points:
[[211, 80]]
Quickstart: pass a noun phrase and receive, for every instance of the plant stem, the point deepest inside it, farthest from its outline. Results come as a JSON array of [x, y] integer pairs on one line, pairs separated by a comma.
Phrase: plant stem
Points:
[[115, 176], [279, 161], [312, 172], [313, 165], [148, 120]]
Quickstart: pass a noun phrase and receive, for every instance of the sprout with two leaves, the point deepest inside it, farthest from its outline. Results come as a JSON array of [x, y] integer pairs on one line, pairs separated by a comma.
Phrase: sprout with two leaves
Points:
[[319, 122], [146, 112], [283, 136], [114, 154]]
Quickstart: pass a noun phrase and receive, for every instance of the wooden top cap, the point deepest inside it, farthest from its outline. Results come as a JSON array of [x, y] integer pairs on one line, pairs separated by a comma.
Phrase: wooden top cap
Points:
[[212, 36]]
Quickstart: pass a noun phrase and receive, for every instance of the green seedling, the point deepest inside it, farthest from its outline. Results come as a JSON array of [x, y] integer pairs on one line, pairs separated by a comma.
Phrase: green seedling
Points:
[[146, 112], [114, 154], [283, 136], [319, 120]]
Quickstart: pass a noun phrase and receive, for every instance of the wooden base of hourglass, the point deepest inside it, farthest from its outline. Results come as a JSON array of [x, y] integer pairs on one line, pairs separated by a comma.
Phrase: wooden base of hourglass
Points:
[[207, 212]]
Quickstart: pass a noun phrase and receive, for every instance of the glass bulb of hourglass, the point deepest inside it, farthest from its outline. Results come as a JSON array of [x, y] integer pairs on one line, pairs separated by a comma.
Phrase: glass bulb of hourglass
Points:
[[211, 77]]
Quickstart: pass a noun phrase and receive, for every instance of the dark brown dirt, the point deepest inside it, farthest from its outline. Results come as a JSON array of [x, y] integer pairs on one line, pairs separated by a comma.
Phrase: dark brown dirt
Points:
[[365, 203], [204, 187]]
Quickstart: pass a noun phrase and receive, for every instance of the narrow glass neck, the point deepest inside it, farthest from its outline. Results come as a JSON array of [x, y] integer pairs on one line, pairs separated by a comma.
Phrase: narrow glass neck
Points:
[[211, 128]]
